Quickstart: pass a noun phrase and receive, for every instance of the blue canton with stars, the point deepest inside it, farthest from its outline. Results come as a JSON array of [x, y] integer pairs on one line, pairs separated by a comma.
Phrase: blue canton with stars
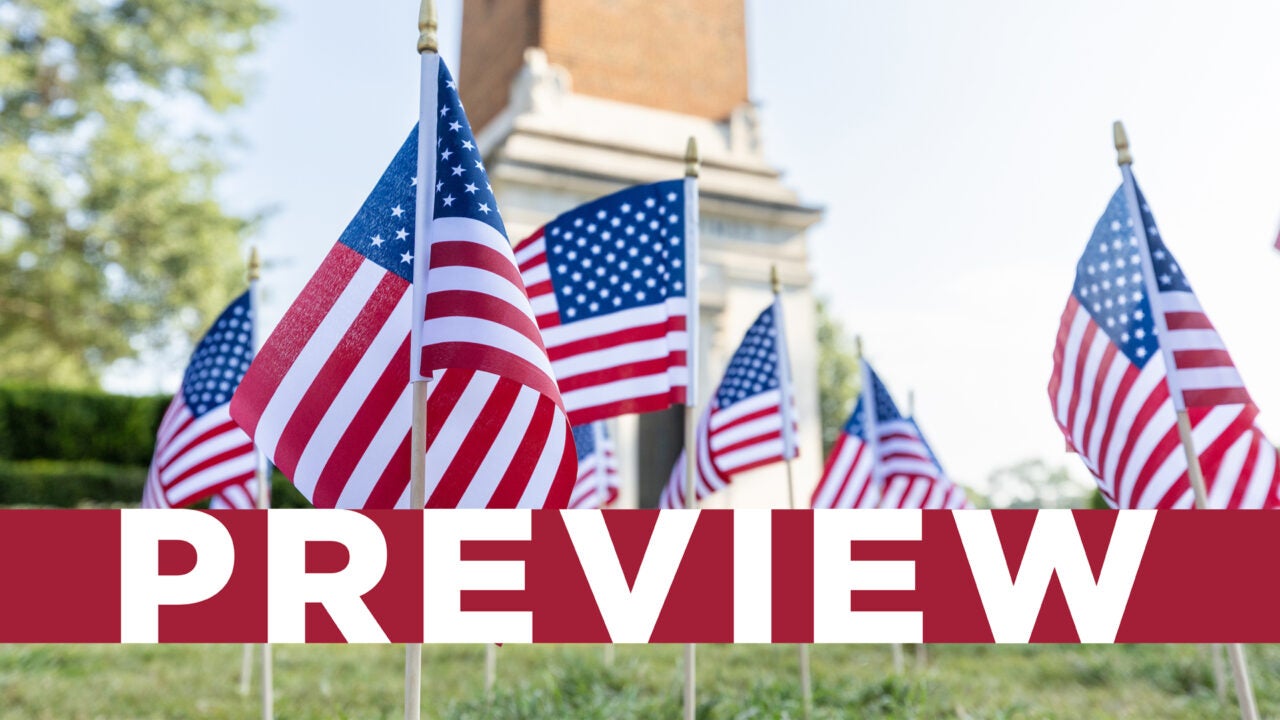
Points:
[[383, 228], [584, 437], [1109, 282], [886, 409], [220, 360], [754, 368], [622, 251]]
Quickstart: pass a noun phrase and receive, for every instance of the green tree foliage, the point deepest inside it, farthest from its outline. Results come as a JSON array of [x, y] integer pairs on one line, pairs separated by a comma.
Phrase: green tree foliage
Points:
[[1036, 484], [111, 240], [838, 376]]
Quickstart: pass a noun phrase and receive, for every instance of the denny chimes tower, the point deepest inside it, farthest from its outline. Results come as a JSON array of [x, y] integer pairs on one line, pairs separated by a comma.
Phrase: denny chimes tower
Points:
[[574, 99]]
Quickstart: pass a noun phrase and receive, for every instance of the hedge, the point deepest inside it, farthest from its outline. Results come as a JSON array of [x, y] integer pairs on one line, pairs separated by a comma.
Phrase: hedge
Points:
[[38, 423], [63, 484]]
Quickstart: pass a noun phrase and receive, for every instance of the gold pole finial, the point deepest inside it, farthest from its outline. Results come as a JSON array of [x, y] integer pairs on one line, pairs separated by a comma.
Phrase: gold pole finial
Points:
[[428, 41], [255, 264], [1123, 157], [774, 282], [692, 163]]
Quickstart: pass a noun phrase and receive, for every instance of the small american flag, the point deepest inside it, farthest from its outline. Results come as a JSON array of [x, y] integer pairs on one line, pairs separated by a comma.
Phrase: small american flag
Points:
[[913, 477], [597, 484], [236, 497], [851, 478], [199, 449], [750, 420], [609, 285], [329, 396], [1111, 390]]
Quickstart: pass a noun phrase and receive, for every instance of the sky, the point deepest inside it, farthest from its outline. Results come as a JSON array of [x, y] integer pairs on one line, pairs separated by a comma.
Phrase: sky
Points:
[[962, 153]]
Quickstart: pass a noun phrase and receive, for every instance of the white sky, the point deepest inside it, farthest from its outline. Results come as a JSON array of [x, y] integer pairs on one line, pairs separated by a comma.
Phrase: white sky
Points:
[[962, 151]]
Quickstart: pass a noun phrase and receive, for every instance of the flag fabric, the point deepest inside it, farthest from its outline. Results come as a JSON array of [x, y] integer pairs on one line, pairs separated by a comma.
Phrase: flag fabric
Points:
[[882, 460], [329, 398], [1123, 367], [242, 496], [199, 449], [609, 282], [750, 420], [913, 477], [597, 484]]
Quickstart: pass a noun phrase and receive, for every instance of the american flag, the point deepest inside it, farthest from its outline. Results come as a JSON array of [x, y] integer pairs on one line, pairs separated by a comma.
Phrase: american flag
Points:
[[609, 282], [597, 484], [236, 497], [851, 478], [329, 396], [913, 477], [1113, 396], [199, 449], [750, 420]]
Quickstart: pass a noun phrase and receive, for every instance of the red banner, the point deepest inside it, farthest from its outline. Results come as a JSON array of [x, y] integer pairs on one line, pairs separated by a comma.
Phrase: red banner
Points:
[[635, 576]]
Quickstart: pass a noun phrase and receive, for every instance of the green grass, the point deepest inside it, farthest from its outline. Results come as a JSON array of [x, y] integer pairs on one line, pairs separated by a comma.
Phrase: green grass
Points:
[[561, 681]]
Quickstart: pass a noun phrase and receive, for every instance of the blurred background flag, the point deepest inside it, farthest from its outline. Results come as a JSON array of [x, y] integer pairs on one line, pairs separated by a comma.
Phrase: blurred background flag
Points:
[[851, 478], [200, 451], [597, 484], [329, 397], [744, 426], [1125, 366], [608, 282], [913, 477]]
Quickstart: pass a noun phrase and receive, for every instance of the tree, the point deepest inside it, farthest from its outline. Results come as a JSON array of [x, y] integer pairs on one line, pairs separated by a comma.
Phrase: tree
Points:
[[838, 376], [1034, 484], [111, 240]]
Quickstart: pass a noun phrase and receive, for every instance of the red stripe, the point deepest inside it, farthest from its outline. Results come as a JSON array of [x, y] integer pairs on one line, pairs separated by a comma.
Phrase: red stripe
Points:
[[238, 451], [1212, 397], [209, 490], [511, 487], [475, 446], [533, 262], [624, 371], [1086, 342], [486, 358], [365, 422], [465, 253], [296, 328], [1187, 321], [540, 288], [337, 370], [162, 446], [394, 478], [480, 306], [1130, 376], [622, 336], [1148, 409], [628, 406], [1104, 369], [754, 415], [748, 442], [1059, 350], [194, 443], [1186, 359], [531, 239]]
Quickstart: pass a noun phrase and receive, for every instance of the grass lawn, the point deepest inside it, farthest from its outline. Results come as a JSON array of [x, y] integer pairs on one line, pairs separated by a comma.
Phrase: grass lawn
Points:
[[562, 681]]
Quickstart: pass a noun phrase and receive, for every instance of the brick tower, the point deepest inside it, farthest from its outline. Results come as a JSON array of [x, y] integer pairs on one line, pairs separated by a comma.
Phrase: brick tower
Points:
[[574, 99]]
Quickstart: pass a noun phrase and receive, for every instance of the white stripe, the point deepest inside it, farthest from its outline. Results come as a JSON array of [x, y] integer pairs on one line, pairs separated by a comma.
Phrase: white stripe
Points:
[[1068, 375], [617, 355], [174, 415], [1264, 468], [893, 492], [636, 317], [424, 201], [907, 466], [1229, 468], [320, 346], [188, 450], [861, 483], [457, 427], [544, 473], [496, 336], [537, 274], [745, 431], [838, 470], [1110, 386], [391, 433], [525, 252], [1179, 301], [181, 492], [1193, 340], [1087, 381], [730, 462], [605, 393], [471, 279], [744, 407], [1210, 378], [496, 461], [544, 304], [464, 229], [1151, 435], [347, 401], [1148, 379]]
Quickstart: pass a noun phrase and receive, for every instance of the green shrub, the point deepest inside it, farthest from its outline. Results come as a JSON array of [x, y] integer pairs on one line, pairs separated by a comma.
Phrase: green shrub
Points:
[[38, 423], [63, 484]]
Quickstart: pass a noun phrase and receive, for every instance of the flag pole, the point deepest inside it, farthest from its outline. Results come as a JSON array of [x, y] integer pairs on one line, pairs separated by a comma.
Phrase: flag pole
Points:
[[692, 167], [806, 680], [428, 43], [922, 653], [263, 499], [1235, 651]]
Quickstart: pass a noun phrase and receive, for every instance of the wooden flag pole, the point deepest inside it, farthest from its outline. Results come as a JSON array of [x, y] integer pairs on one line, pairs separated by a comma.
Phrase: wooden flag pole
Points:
[[691, 171], [428, 43], [806, 681], [1239, 665], [922, 652], [490, 669], [262, 501]]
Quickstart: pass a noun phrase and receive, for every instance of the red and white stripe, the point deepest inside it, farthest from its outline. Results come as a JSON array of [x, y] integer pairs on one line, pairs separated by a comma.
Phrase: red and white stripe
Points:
[[328, 400], [910, 476], [847, 478], [1122, 422], [1202, 368], [597, 484], [630, 361], [236, 497], [196, 456]]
